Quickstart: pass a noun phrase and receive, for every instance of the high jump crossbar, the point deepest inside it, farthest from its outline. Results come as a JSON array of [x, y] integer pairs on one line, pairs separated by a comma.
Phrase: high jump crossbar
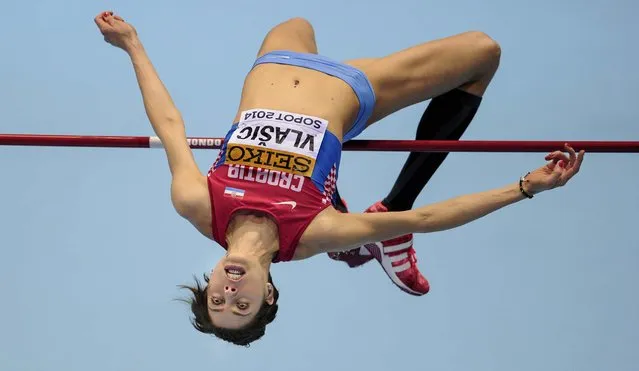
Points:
[[45, 140]]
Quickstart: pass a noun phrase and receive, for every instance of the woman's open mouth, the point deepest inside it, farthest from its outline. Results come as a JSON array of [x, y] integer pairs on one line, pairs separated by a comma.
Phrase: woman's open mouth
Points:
[[234, 272]]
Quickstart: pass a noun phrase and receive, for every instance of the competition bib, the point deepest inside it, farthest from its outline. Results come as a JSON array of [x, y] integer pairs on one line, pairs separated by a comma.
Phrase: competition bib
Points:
[[276, 140]]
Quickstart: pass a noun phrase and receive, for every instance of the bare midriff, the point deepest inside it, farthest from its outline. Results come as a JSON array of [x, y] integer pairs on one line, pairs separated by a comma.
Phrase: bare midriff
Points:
[[300, 90]]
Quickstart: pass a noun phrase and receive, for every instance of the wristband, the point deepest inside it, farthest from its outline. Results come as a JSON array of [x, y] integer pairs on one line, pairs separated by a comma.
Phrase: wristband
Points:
[[521, 186]]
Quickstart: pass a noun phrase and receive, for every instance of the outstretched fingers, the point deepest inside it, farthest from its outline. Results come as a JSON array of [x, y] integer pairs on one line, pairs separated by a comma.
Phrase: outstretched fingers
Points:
[[572, 166], [562, 167], [574, 169], [557, 156]]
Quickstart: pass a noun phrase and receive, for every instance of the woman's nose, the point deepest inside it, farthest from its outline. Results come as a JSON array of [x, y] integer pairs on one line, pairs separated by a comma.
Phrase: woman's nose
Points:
[[230, 290]]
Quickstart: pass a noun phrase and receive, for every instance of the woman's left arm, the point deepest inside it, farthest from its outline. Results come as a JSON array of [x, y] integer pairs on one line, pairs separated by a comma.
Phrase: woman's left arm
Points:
[[344, 231], [464, 209]]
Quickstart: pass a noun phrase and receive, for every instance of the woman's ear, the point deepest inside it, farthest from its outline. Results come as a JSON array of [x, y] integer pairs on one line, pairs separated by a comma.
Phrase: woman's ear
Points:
[[270, 299]]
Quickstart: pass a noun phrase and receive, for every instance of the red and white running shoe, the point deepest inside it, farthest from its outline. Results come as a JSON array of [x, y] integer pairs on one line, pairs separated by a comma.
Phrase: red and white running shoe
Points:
[[396, 256], [398, 259]]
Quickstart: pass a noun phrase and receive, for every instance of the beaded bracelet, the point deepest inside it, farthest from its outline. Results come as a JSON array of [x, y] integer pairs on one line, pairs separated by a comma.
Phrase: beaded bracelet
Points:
[[521, 186]]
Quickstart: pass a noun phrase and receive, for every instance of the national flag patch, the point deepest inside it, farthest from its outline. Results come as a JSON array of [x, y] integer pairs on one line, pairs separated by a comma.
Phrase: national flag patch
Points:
[[233, 192]]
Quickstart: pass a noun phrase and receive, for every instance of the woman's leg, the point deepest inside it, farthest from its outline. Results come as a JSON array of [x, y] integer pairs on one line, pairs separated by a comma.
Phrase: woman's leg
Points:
[[466, 62], [295, 34], [405, 78], [446, 118]]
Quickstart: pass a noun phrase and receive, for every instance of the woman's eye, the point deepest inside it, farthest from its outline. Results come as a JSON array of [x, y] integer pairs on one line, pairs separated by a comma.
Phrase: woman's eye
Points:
[[242, 306], [216, 301]]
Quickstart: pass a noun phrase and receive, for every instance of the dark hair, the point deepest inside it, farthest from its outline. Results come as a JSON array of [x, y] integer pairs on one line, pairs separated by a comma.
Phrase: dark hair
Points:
[[243, 336]]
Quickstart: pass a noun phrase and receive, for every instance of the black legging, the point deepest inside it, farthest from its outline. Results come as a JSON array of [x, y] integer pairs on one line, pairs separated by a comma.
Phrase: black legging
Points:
[[446, 118]]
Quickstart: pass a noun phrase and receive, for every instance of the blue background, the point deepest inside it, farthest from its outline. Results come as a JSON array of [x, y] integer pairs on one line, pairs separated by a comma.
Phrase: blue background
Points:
[[91, 250]]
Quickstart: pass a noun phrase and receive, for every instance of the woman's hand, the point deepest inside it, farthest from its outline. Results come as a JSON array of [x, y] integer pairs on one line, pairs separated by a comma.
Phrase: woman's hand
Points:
[[116, 31], [555, 173]]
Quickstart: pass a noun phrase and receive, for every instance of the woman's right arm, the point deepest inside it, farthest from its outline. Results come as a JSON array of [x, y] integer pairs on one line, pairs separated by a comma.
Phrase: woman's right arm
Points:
[[188, 185], [189, 191]]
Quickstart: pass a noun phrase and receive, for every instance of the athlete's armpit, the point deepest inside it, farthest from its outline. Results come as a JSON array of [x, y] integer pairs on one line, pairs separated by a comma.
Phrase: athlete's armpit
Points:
[[190, 198]]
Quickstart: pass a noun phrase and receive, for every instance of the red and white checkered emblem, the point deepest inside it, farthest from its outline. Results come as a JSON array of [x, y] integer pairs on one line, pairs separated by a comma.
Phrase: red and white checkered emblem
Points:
[[329, 185]]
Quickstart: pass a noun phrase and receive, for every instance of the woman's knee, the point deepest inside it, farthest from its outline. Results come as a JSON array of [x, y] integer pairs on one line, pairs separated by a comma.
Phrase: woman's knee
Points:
[[295, 34], [300, 23], [487, 49], [297, 25]]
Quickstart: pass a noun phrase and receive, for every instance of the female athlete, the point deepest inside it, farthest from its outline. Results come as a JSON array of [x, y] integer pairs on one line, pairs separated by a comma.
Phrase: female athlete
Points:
[[271, 194]]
